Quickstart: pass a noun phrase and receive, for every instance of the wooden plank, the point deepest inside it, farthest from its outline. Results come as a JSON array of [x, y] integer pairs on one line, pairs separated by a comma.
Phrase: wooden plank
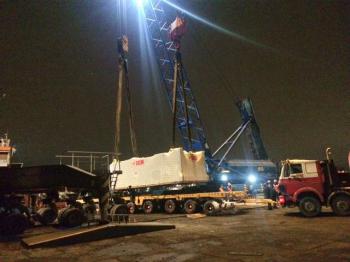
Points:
[[196, 215]]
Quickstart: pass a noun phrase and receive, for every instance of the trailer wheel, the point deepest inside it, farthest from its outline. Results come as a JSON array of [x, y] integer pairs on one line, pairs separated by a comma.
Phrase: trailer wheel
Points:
[[119, 213], [131, 207], [341, 205], [13, 224], [169, 206], [71, 217], [190, 206], [310, 206], [46, 215], [147, 207], [211, 207], [60, 214]]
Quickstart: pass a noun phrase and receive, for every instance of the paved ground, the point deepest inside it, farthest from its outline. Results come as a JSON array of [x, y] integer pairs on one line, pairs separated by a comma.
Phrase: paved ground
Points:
[[251, 235]]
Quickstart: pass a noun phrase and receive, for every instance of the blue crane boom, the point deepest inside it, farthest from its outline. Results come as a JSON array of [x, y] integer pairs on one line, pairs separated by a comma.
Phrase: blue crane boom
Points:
[[165, 50], [186, 113], [252, 132]]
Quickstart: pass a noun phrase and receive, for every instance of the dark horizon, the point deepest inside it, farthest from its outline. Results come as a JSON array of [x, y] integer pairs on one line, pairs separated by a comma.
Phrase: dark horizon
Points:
[[59, 74]]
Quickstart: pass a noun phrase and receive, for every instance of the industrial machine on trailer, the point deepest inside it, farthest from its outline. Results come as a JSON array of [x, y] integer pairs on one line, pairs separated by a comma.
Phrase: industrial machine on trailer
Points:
[[311, 184], [170, 182], [187, 120], [42, 194]]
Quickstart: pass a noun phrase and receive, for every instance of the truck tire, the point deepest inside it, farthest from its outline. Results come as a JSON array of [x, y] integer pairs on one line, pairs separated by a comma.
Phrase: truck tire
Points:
[[190, 206], [310, 206], [341, 205], [147, 207], [71, 217], [46, 215], [13, 224], [211, 207], [131, 207], [169, 206]]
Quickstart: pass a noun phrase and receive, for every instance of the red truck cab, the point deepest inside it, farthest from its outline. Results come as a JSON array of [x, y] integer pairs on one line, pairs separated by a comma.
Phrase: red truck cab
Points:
[[311, 184]]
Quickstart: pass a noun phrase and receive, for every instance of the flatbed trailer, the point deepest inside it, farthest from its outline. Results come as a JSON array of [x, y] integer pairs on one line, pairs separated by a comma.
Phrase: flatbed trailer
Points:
[[32, 194], [208, 202]]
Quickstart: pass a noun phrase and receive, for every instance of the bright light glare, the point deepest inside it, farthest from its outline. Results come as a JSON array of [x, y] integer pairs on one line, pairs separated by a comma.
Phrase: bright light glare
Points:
[[252, 178], [139, 3], [224, 177], [217, 27]]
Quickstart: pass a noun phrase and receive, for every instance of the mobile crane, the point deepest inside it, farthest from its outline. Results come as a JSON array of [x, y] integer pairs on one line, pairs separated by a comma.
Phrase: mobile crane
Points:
[[183, 104], [186, 118]]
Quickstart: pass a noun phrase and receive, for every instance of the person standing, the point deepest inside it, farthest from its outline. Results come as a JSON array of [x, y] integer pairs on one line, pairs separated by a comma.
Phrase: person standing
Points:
[[267, 189], [274, 195], [229, 187]]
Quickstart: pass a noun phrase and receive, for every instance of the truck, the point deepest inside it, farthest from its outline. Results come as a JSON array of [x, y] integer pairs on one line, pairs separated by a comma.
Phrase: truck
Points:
[[173, 181], [311, 184]]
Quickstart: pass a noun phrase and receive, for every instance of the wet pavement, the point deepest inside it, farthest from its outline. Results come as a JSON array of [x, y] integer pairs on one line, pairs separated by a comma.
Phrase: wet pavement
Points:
[[250, 235]]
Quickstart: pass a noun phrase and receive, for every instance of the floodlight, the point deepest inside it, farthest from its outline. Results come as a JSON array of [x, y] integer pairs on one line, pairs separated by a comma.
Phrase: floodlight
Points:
[[224, 177], [140, 3], [252, 178]]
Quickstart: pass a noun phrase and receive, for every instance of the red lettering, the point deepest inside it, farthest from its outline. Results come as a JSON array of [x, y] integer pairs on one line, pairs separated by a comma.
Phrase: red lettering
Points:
[[139, 162]]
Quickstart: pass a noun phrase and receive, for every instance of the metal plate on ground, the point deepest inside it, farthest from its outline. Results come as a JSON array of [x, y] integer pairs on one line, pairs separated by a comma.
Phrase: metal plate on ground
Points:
[[79, 235]]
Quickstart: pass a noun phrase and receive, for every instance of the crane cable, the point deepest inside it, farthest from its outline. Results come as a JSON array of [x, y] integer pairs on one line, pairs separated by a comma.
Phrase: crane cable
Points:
[[226, 83], [225, 86]]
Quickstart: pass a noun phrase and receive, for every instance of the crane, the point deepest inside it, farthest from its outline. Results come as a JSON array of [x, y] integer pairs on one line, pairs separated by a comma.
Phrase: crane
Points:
[[166, 38], [168, 56], [184, 107]]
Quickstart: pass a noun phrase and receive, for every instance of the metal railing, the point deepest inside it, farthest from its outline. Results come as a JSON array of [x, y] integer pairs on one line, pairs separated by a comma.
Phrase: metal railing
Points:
[[87, 160]]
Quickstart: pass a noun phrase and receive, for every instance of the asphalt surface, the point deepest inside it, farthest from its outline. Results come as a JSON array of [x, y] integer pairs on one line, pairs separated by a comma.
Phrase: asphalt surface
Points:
[[249, 235]]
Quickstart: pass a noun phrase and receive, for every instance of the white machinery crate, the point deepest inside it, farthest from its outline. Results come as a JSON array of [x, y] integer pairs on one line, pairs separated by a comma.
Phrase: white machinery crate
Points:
[[175, 167]]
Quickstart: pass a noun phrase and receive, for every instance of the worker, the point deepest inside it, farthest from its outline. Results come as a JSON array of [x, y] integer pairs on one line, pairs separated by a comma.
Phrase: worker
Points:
[[274, 193], [229, 187], [221, 188], [245, 188], [132, 194], [251, 190], [267, 189]]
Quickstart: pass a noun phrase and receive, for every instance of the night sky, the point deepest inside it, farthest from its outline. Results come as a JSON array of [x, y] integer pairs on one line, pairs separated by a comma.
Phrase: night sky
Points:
[[59, 72]]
